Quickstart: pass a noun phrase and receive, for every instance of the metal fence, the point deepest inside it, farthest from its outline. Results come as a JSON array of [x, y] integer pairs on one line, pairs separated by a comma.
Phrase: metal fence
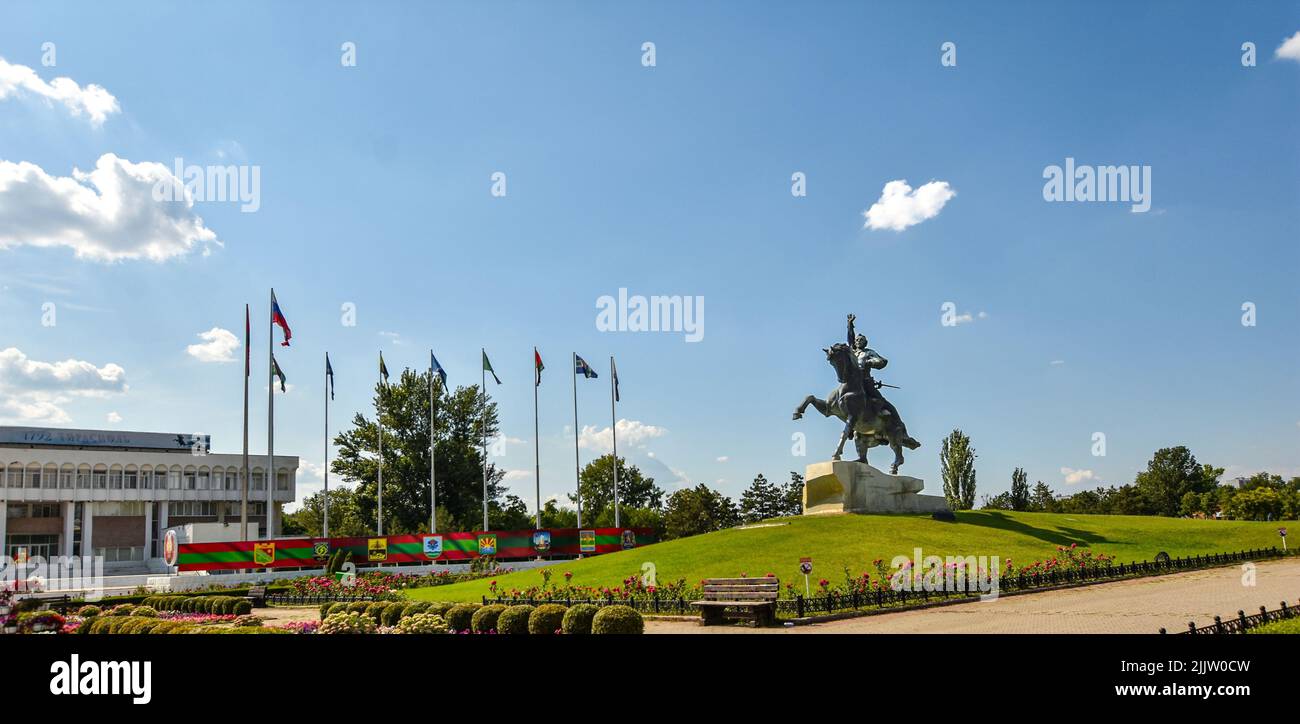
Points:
[[802, 606], [292, 599], [1242, 623]]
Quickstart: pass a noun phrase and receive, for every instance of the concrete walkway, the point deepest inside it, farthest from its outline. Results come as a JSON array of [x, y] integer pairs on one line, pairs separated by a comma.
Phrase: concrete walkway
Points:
[[1140, 605]]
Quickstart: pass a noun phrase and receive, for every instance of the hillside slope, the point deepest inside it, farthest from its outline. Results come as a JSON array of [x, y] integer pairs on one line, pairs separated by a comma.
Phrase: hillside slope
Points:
[[855, 541]]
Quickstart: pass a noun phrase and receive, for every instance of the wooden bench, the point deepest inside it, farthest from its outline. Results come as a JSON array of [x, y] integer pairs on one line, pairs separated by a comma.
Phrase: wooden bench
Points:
[[750, 599], [257, 595]]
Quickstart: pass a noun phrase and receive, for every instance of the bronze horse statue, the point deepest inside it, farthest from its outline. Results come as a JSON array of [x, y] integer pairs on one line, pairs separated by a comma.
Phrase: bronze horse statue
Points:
[[866, 416]]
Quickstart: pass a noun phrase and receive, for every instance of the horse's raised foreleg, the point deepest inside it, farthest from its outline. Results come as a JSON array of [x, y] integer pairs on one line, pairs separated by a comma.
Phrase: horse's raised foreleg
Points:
[[816, 402]]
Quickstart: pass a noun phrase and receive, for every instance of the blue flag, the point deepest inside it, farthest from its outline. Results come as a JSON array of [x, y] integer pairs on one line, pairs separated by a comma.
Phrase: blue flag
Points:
[[437, 369], [584, 369], [329, 372]]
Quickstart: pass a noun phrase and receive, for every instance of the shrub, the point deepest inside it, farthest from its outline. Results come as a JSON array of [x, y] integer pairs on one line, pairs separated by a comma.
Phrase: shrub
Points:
[[484, 620], [185, 628], [617, 620], [146, 611], [89, 611], [325, 609], [440, 608], [514, 620], [376, 610], [241, 607], [335, 608], [124, 609], [577, 620], [392, 613], [415, 607], [423, 623], [347, 623], [247, 621], [461, 616], [358, 606], [546, 619]]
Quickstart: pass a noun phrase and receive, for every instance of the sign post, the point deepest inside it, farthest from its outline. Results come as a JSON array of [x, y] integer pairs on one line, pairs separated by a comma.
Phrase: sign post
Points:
[[805, 565], [1282, 532]]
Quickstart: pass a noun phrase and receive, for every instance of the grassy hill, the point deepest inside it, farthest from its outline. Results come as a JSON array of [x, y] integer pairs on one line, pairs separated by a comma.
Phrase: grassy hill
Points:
[[856, 540]]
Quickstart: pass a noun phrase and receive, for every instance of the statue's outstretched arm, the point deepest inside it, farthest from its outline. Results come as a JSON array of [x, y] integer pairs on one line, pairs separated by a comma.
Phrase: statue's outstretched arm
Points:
[[852, 341]]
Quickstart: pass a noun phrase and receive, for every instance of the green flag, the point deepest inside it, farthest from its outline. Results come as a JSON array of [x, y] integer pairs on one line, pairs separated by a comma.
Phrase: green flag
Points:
[[275, 370], [383, 371], [487, 367]]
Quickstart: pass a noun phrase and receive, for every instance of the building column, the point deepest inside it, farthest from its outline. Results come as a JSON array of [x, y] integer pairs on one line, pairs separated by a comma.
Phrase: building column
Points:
[[148, 530], [87, 528], [162, 515], [4, 520], [69, 519]]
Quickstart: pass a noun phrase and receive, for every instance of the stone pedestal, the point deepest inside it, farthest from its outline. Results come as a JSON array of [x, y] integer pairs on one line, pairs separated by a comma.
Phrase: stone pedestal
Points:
[[853, 487]]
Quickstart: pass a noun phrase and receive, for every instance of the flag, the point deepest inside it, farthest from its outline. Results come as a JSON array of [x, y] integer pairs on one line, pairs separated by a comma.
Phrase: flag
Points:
[[584, 369], [275, 370], [537, 364], [614, 371], [487, 367], [277, 317], [329, 372], [248, 329], [383, 371], [437, 369]]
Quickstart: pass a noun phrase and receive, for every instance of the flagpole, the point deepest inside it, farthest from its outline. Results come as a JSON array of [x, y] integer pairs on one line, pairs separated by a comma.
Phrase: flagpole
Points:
[[613, 430], [537, 455], [379, 418], [326, 529], [577, 465], [433, 454], [483, 425], [243, 486], [270, 419]]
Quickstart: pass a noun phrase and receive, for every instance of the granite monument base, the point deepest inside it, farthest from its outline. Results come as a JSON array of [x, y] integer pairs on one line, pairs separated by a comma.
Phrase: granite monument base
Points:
[[854, 487]]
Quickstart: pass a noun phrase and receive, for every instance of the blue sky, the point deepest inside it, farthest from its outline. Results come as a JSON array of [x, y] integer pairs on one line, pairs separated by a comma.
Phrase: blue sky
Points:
[[672, 180]]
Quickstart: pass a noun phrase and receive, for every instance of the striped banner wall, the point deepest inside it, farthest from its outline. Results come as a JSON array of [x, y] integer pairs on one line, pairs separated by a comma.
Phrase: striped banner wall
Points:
[[419, 548]]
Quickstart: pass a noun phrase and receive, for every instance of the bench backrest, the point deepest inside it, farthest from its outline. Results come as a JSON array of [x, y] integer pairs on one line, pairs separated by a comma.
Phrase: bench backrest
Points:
[[741, 589], [257, 591]]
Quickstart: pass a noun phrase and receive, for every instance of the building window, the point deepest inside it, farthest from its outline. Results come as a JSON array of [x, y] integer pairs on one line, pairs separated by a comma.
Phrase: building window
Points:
[[67, 479], [131, 480], [15, 476], [101, 481], [121, 554], [33, 478], [282, 481], [115, 480], [50, 480], [174, 480], [160, 480], [83, 481]]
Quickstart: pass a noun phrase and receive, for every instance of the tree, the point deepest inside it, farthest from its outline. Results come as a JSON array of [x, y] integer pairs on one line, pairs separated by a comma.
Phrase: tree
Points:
[[761, 500], [792, 502], [459, 424], [597, 486], [1042, 499], [1019, 496], [1172, 473], [691, 511], [957, 463], [1001, 501], [345, 517]]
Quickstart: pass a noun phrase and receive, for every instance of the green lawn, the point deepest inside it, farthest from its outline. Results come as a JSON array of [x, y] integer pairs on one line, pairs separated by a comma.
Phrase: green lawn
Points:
[[855, 540]]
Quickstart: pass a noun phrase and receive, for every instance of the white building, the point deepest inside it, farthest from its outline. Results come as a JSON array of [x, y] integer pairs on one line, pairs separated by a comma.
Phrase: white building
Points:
[[109, 493]]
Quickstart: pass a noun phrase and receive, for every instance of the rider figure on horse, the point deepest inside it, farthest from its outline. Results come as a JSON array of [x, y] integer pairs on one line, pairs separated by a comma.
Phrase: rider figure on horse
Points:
[[868, 359]]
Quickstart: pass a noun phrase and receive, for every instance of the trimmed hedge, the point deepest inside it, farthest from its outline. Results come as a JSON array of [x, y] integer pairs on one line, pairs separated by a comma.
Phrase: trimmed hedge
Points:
[[514, 620], [440, 608], [577, 620], [461, 616], [546, 619], [485, 618], [617, 620], [392, 613]]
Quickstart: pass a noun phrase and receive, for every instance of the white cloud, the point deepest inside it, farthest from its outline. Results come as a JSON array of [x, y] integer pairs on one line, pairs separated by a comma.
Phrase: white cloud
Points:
[[92, 100], [113, 417], [1057, 362], [723, 458], [394, 337], [630, 432], [32, 391], [1289, 49], [108, 214], [218, 345], [518, 475], [900, 206], [1074, 477]]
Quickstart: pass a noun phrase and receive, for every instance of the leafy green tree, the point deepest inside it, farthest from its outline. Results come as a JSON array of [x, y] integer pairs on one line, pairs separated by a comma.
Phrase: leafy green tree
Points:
[[761, 500], [597, 485], [1042, 500], [345, 515], [691, 511], [957, 466], [1172, 473], [1019, 495], [459, 424], [792, 503], [1001, 501]]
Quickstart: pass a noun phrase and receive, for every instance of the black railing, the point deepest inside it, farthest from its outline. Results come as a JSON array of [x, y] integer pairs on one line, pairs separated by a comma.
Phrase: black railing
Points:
[[828, 603], [293, 599], [1242, 623]]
